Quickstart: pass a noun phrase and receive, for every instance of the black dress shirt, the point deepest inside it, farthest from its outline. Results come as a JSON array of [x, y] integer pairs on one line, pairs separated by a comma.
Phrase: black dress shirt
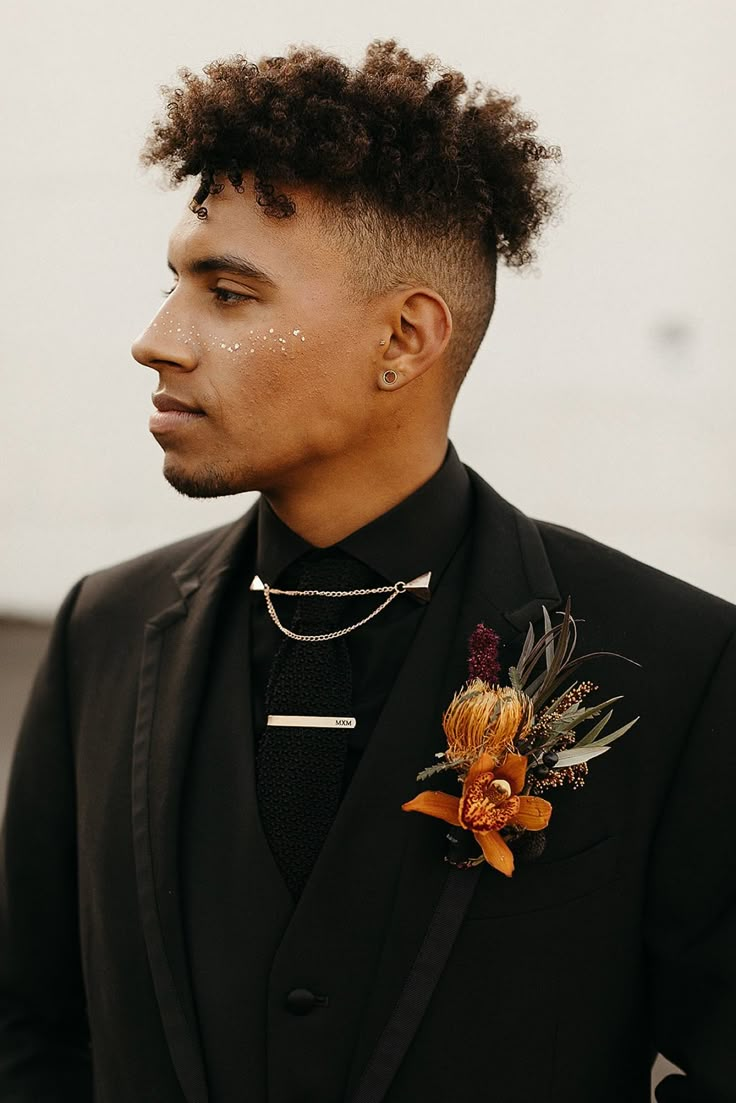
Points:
[[419, 534]]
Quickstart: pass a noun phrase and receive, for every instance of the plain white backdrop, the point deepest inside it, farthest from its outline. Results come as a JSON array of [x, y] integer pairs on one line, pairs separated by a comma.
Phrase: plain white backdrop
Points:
[[603, 395]]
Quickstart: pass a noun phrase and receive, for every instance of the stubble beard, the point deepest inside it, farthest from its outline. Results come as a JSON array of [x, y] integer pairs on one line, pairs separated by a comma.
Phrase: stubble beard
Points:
[[209, 481]]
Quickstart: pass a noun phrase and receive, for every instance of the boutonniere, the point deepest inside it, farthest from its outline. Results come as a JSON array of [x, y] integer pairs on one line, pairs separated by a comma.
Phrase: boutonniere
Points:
[[508, 744]]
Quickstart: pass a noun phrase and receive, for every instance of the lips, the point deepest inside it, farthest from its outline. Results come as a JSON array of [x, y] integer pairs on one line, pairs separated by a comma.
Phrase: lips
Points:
[[166, 403], [172, 414]]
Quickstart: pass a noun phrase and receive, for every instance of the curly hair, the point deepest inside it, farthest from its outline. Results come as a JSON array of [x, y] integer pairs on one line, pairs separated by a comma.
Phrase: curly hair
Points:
[[417, 178]]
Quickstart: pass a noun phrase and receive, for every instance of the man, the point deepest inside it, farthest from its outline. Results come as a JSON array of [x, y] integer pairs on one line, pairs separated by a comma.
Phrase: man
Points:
[[206, 897]]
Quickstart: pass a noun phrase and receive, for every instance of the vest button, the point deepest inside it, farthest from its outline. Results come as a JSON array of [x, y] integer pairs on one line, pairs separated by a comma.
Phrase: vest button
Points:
[[301, 1001]]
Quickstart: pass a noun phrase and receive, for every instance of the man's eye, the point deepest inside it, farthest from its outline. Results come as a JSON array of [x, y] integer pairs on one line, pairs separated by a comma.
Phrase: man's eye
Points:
[[222, 295]]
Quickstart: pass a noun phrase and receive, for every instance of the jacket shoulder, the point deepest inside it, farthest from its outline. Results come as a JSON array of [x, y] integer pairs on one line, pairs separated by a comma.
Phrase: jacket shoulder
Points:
[[135, 589], [583, 564]]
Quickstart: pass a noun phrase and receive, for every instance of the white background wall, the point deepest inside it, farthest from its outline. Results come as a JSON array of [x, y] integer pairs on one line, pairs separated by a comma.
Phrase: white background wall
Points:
[[603, 396]]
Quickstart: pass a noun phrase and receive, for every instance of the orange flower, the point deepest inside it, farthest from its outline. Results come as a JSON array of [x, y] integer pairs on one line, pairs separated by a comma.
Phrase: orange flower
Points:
[[484, 719], [490, 800]]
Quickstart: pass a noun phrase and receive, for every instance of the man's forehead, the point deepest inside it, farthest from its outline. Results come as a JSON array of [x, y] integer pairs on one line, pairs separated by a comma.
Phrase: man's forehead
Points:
[[236, 224], [192, 238], [227, 213]]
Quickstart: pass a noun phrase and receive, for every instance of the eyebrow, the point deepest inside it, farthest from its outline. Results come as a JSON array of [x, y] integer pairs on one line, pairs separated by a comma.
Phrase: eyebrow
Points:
[[227, 262]]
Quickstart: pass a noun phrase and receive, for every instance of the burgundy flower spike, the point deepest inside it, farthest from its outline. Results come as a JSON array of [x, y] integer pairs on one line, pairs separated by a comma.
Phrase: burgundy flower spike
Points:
[[483, 655]]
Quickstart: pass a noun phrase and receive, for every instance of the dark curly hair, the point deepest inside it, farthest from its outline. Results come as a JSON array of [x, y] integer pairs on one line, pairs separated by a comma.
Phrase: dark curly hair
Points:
[[418, 179]]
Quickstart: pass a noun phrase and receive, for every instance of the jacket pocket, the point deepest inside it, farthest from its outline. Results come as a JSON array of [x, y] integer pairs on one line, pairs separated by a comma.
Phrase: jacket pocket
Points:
[[539, 885]]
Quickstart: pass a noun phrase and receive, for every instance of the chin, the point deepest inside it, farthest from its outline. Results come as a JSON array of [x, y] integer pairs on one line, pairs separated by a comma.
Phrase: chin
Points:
[[206, 482], [209, 478]]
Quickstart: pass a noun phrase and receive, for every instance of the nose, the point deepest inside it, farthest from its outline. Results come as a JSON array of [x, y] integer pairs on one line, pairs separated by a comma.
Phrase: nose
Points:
[[163, 344]]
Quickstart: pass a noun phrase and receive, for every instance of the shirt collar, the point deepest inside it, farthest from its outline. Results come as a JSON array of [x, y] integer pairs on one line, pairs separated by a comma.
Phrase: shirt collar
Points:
[[417, 535]]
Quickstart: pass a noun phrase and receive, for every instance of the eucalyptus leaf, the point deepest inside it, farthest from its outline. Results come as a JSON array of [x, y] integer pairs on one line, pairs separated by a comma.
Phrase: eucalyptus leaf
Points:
[[549, 647], [573, 635], [576, 755], [546, 692], [589, 714], [532, 659], [608, 739], [532, 688], [575, 663], [559, 727], [564, 643], [538, 650], [570, 708], [528, 645], [592, 735]]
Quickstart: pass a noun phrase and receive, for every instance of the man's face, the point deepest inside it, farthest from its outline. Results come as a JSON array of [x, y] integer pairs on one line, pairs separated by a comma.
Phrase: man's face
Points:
[[279, 371]]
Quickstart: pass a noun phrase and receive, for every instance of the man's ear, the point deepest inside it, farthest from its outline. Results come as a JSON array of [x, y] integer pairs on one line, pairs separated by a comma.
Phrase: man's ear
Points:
[[418, 330]]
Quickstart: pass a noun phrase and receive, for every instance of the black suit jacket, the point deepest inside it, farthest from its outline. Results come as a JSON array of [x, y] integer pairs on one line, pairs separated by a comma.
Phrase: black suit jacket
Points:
[[562, 982]]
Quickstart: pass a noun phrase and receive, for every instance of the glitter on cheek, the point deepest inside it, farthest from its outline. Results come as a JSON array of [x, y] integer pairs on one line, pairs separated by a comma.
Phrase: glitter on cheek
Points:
[[215, 341]]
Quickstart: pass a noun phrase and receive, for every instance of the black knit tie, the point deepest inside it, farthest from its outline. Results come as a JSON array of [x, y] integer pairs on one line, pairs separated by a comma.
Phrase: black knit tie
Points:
[[300, 770]]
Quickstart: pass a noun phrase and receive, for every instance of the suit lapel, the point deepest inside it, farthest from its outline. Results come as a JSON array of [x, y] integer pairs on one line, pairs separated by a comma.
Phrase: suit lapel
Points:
[[175, 649]]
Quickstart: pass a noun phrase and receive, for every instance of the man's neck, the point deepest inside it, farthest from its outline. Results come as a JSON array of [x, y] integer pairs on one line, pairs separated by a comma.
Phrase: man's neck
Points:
[[327, 506]]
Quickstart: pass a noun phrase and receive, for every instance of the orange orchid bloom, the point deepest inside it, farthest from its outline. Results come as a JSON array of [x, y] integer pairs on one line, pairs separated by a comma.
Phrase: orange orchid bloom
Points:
[[490, 800]]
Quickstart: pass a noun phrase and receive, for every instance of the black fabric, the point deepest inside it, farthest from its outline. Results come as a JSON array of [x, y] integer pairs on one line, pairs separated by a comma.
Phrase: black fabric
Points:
[[231, 894], [300, 769], [420, 534], [419, 986], [619, 942]]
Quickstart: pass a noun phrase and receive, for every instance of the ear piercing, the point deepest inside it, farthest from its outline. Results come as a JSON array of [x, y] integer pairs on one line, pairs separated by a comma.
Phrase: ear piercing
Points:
[[389, 377]]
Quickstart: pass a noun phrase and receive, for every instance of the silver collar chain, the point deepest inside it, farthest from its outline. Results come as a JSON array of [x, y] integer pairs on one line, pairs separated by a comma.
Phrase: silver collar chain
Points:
[[418, 587]]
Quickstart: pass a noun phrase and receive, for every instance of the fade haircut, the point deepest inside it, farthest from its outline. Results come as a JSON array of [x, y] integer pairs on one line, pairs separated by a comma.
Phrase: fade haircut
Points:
[[417, 178]]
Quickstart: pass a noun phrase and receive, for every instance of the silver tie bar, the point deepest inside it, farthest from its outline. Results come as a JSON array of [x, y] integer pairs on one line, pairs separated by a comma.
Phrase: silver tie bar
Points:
[[310, 722]]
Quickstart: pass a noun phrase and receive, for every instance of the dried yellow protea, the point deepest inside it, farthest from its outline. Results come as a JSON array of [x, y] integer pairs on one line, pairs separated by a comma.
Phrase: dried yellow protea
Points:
[[485, 719]]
